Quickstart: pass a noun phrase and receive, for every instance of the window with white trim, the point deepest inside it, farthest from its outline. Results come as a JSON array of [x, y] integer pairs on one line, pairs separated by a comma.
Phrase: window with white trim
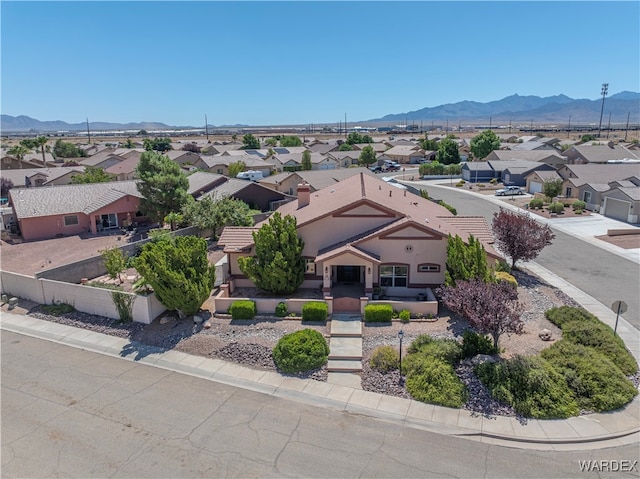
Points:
[[428, 268], [587, 197], [309, 266], [71, 220], [393, 275]]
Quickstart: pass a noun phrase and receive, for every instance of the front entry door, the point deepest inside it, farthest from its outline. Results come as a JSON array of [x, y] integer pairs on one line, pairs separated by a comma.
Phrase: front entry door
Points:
[[348, 274]]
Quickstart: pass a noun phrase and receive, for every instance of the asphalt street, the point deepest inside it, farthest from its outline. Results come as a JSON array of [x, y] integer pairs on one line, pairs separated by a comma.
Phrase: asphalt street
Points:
[[599, 273], [68, 412]]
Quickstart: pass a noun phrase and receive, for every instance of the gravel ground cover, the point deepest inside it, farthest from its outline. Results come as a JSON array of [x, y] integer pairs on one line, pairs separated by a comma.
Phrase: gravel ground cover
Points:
[[250, 342]]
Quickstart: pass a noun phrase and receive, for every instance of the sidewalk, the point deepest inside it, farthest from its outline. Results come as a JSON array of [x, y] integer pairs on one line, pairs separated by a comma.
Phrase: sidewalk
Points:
[[594, 431]]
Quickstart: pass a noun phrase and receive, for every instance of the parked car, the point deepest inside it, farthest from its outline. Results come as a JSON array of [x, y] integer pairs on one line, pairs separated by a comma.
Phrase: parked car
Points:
[[510, 191], [376, 169]]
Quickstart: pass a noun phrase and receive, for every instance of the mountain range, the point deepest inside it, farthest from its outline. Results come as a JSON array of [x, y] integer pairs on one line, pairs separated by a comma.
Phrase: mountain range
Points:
[[514, 108]]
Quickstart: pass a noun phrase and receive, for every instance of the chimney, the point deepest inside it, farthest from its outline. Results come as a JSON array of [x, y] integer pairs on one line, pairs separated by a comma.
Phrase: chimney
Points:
[[304, 195]]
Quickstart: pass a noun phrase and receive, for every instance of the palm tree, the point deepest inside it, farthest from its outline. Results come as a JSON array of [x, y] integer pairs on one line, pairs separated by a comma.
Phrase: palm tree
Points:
[[18, 151], [40, 142], [173, 219]]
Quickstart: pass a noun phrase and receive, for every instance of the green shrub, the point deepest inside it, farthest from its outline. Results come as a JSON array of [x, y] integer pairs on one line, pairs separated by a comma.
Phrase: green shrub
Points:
[[451, 209], [101, 285], [315, 311], [378, 313], [460, 183], [282, 310], [58, 309], [405, 315], [419, 342], [243, 309], [597, 384], [556, 207], [536, 203], [578, 212], [475, 343], [493, 181], [600, 337], [384, 359], [565, 314], [503, 266], [436, 382], [578, 205], [301, 351], [502, 276], [531, 385]]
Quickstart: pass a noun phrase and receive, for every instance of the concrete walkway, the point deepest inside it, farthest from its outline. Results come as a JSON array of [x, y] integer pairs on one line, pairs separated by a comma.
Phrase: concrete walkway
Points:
[[594, 431], [345, 350]]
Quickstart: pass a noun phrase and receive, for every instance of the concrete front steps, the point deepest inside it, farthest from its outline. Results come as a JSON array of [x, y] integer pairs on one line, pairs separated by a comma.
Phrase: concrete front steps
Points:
[[345, 344]]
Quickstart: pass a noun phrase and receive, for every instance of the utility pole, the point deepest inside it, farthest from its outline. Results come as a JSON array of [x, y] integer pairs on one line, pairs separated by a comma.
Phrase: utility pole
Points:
[[206, 126], [609, 126], [569, 127], [627, 129], [88, 132], [346, 129], [490, 118], [509, 126], [603, 92]]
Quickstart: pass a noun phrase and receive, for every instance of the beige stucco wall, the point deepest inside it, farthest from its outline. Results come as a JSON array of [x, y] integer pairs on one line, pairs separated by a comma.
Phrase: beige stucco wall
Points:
[[21, 286]]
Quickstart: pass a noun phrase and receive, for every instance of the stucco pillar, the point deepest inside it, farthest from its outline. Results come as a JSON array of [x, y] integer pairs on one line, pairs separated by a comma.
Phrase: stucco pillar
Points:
[[92, 225], [326, 278], [368, 279]]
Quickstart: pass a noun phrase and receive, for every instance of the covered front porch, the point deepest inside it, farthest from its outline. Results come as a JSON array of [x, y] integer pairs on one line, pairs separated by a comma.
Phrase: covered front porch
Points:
[[348, 272]]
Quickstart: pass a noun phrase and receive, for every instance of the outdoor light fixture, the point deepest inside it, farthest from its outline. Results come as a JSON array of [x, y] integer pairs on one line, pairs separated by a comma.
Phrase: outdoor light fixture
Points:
[[369, 270], [400, 336]]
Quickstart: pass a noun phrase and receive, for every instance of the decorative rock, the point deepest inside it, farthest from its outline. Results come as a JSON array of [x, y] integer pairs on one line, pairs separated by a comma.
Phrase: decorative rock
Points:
[[482, 358], [165, 319], [545, 335], [197, 319], [207, 324]]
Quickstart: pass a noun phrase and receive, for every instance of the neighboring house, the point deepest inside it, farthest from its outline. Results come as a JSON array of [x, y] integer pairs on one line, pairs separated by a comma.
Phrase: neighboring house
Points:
[[509, 172], [345, 158], [202, 182], [535, 181], [10, 162], [364, 231], [575, 177], [598, 153], [186, 159], [622, 202], [294, 160], [44, 213], [549, 157], [42, 176], [126, 169], [288, 182], [406, 154], [377, 147], [257, 196], [323, 148], [532, 145], [105, 159], [220, 163], [219, 148], [477, 172]]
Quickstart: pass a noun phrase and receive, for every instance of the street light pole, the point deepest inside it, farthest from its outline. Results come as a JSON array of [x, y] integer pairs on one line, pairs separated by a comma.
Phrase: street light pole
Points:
[[400, 335], [603, 92]]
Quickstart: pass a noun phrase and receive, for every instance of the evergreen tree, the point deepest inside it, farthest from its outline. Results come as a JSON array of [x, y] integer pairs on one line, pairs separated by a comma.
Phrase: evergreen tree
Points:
[[277, 266], [448, 152], [250, 142], [466, 261], [306, 160], [162, 185]]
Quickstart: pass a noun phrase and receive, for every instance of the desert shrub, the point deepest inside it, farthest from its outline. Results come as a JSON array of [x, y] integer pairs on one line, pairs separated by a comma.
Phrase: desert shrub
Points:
[[282, 310], [124, 305], [378, 313], [405, 315], [58, 309], [565, 314], [597, 383], [578, 205], [301, 351], [503, 266], [436, 382], [578, 212], [531, 385], [493, 181], [556, 207], [601, 337], [451, 209], [502, 276], [315, 311], [101, 285], [419, 342], [384, 359], [475, 343], [536, 203], [243, 309], [460, 183]]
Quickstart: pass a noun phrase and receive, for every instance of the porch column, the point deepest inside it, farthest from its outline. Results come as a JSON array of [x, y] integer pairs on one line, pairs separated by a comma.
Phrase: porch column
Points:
[[326, 278], [92, 224], [368, 279]]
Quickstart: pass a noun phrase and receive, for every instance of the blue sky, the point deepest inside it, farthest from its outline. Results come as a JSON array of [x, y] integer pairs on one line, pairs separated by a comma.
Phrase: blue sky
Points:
[[275, 63]]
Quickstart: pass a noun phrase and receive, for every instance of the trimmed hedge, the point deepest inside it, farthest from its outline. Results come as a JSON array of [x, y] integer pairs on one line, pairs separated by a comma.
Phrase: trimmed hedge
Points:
[[531, 385], [378, 313], [433, 381], [301, 351], [315, 311], [578, 205], [384, 359], [243, 309], [474, 343], [536, 203], [564, 314], [405, 315], [556, 207], [282, 310], [597, 384]]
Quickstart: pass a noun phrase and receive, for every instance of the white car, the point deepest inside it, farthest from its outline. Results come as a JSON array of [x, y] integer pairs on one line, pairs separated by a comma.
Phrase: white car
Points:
[[510, 191]]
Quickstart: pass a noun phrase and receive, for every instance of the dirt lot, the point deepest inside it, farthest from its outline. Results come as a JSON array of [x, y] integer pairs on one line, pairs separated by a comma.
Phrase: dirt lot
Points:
[[623, 241]]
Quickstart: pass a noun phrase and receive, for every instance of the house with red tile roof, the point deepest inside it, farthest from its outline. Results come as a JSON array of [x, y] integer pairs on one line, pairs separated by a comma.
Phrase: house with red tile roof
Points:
[[364, 231]]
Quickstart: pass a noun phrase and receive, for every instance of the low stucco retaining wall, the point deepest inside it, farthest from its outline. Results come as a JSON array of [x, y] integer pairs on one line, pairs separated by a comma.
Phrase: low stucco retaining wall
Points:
[[222, 302]]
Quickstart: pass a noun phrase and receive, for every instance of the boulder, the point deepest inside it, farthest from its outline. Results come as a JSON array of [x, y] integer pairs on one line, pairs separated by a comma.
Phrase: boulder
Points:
[[197, 319], [545, 335], [482, 358], [166, 319], [207, 324]]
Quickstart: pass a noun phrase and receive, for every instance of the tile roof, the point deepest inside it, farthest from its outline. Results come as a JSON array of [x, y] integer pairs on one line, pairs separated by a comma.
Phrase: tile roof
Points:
[[604, 173], [67, 199], [604, 153], [202, 179], [632, 192], [124, 167], [534, 155], [236, 238], [18, 176]]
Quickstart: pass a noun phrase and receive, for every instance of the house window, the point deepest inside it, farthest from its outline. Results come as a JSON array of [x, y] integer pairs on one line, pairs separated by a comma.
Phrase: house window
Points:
[[586, 197], [393, 275], [309, 266], [219, 171], [7, 161], [428, 268], [569, 191], [71, 220]]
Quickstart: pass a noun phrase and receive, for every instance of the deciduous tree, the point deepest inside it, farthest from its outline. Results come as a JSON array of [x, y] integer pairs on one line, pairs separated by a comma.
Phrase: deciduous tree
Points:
[[367, 156], [448, 152], [215, 213], [356, 138], [92, 174], [345, 147], [236, 167], [306, 160], [552, 188], [491, 308], [484, 143], [277, 266], [65, 149], [115, 261], [250, 142], [162, 185], [157, 144], [429, 145], [519, 236], [290, 141], [5, 185], [179, 272]]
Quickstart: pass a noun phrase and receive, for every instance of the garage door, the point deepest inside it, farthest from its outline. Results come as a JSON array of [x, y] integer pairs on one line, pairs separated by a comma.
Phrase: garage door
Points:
[[617, 209], [535, 187]]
